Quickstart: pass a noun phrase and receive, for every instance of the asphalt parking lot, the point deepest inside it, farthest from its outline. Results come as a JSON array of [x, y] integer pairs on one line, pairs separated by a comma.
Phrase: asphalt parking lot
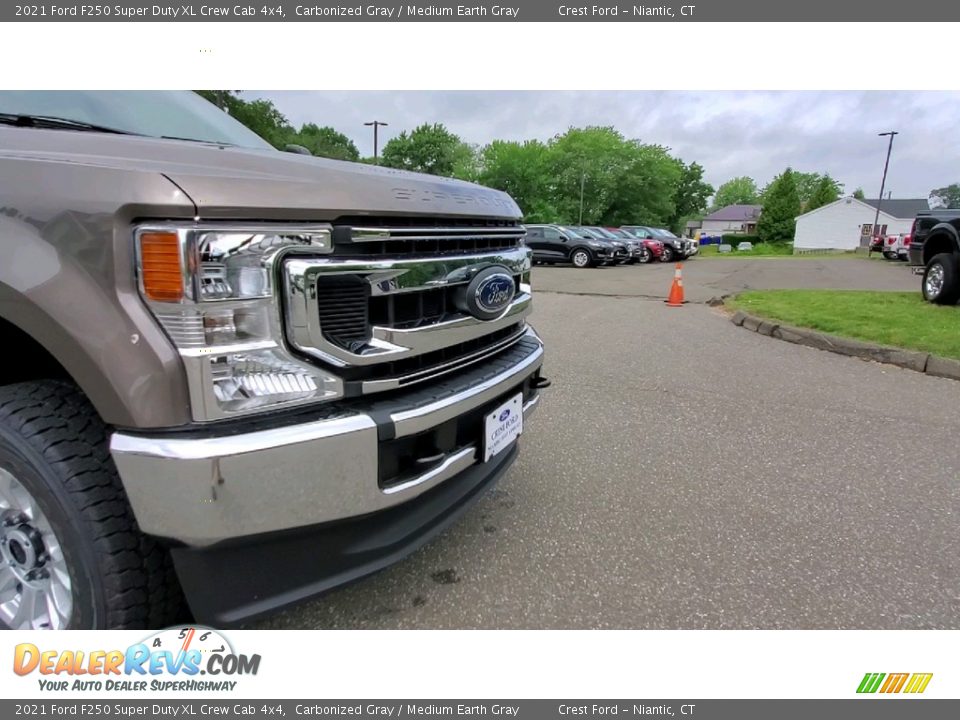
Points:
[[685, 473], [705, 278]]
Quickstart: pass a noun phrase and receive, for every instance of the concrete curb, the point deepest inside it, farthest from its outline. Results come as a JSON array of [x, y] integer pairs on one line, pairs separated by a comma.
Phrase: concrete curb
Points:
[[910, 359]]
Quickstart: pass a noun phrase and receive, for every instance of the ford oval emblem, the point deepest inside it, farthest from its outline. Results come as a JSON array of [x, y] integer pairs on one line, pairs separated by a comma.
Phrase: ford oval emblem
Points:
[[495, 293], [490, 293]]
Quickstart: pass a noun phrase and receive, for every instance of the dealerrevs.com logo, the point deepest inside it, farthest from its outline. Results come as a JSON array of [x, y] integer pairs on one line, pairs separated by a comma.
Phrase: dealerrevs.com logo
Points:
[[172, 659]]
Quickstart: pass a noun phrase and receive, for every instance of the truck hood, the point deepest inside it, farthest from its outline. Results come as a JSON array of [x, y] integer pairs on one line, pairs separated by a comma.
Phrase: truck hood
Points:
[[241, 183]]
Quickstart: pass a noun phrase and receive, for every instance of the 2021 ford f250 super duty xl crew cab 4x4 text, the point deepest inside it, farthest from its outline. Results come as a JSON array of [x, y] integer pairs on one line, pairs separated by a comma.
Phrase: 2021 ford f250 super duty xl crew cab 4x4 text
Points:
[[247, 374]]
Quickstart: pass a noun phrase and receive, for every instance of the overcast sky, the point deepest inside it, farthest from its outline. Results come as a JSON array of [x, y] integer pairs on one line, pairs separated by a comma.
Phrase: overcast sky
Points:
[[751, 133]]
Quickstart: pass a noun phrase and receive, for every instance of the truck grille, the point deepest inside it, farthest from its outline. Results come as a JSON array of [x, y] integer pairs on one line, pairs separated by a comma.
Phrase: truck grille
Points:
[[409, 370], [342, 305], [404, 237], [347, 312], [382, 309]]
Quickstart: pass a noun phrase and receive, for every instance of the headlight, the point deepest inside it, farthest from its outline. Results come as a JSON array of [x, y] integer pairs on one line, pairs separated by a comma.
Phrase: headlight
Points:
[[212, 290], [594, 244]]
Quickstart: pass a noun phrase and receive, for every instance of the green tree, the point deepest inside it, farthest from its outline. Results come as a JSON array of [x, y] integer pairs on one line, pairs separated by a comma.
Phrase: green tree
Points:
[[261, 116], [325, 142], [466, 162], [646, 188], [691, 195], [520, 169], [824, 193], [858, 193], [808, 183], [781, 207], [948, 197], [430, 149], [623, 181], [738, 191]]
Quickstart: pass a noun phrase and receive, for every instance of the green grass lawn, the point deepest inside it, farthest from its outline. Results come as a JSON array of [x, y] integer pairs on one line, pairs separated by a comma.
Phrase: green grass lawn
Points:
[[899, 319], [759, 250]]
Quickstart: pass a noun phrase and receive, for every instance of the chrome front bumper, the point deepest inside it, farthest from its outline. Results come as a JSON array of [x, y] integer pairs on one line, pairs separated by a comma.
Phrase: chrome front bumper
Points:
[[203, 490]]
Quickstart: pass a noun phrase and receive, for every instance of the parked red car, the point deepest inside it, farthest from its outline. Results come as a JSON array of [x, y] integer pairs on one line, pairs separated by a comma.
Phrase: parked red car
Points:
[[654, 248]]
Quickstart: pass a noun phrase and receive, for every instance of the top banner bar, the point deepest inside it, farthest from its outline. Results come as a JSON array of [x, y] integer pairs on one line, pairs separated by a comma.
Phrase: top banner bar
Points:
[[509, 11]]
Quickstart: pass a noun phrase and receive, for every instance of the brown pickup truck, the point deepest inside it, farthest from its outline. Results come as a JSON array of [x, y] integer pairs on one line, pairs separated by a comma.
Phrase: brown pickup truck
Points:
[[232, 374]]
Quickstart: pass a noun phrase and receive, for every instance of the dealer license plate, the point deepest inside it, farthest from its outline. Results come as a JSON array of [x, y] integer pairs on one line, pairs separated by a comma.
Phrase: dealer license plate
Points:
[[502, 426]]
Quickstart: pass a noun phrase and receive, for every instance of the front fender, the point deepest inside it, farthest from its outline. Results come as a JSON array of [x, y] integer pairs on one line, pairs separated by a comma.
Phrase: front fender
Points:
[[941, 236], [67, 280]]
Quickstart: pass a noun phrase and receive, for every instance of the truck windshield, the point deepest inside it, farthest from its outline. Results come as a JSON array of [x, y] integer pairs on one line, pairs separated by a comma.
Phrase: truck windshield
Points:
[[180, 115]]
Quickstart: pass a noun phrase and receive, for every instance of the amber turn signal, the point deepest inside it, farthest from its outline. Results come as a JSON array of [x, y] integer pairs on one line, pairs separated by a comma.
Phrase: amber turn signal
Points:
[[160, 266]]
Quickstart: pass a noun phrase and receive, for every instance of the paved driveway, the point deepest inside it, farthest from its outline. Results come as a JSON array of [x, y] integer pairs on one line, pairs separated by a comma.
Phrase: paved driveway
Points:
[[685, 473], [704, 278]]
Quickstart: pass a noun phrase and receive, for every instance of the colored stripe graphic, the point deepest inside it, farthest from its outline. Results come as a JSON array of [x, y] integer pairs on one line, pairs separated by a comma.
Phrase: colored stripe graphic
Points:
[[918, 683], [894, 682], [870, 682]]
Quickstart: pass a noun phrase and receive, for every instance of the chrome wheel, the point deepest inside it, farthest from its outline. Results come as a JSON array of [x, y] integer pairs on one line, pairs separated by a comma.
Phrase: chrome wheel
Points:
[[35, 589], [581, 259], [933, 282], [645, 255]]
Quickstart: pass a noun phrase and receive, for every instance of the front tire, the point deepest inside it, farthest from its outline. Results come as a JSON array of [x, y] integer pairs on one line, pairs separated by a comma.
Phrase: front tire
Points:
[[75, 556], [941, 279], [581, 258], [667, 255]]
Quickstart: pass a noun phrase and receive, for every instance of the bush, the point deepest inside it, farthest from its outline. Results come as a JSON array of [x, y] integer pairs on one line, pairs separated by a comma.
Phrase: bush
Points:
[[771, 249], [759, 249]]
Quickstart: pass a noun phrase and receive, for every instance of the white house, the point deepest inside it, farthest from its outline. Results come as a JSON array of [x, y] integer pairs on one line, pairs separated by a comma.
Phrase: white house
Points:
[[847, 223]]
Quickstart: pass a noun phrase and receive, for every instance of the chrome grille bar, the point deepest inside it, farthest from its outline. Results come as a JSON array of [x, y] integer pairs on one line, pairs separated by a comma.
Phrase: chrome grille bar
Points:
[[395, 277], [373, 234]]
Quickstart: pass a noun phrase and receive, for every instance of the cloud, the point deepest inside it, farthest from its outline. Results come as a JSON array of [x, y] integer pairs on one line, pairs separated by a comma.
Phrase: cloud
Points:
[[755, 133]]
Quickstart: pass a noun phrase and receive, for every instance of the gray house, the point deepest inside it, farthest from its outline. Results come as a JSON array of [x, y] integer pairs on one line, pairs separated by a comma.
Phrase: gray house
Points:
[[732, 219]]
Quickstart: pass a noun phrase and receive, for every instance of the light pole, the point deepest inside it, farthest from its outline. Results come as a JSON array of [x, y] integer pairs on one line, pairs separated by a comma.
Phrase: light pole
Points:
[[883, 184], [376, 124], [583, 177]]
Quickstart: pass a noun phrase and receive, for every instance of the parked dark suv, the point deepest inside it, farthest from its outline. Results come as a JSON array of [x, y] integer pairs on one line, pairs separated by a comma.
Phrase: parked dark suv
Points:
[[632, 247], [674, 248], [559, 244]]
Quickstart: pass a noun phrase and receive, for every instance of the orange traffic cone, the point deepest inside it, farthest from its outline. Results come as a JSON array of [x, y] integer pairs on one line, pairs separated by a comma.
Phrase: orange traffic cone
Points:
[[675, 298]]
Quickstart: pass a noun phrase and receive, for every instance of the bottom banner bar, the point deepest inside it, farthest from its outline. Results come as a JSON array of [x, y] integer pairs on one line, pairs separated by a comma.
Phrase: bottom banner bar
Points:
[[872, 709]]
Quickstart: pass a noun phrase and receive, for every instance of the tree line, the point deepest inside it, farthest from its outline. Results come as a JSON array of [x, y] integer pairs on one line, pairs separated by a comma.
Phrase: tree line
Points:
[[620, 180], [623, 181]]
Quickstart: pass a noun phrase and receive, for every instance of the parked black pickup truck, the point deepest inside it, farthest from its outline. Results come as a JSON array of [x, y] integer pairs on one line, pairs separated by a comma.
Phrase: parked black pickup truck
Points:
[[935, 247]]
